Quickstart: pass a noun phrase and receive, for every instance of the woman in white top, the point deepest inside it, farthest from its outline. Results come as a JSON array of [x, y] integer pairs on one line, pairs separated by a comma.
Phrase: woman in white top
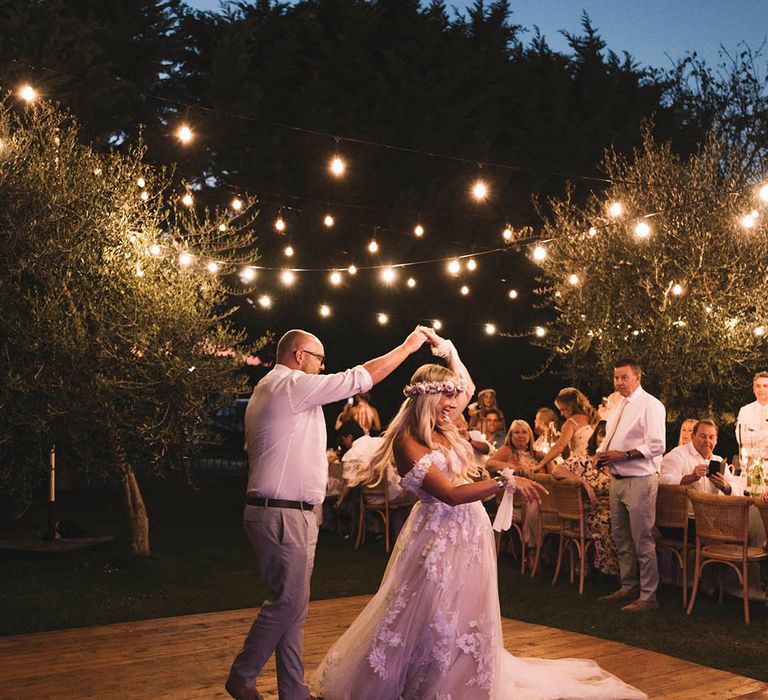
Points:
[[580, 417]]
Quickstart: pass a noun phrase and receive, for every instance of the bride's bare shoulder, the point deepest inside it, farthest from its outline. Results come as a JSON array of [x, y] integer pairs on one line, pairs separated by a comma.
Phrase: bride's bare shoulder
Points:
[[408, 450]]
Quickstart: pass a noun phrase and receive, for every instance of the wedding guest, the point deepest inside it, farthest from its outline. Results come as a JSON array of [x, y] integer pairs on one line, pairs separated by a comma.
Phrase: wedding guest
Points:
[[486, 401], [752, 423], [288, 469], [597, 507], [689, 464], [686, 431], [632, 450], [363, 412], [517, 451], [481, 448], [494, 433], [580, 417], [546, 427]]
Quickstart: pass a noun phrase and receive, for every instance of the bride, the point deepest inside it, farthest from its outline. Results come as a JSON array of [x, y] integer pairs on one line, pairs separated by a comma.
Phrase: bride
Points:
[[433, 629]]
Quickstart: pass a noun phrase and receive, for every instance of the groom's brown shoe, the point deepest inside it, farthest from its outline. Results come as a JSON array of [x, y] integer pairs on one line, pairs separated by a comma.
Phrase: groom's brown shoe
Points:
[[241, 692], [641, 605]]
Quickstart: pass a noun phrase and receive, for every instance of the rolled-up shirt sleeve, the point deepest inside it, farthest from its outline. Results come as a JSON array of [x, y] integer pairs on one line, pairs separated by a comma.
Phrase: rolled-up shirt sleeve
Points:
[[672, 469], [308, 390], [655, 431]]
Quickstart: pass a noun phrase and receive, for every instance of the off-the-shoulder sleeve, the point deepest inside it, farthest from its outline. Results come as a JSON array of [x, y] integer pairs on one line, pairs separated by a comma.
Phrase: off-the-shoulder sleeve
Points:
[[413, 479]]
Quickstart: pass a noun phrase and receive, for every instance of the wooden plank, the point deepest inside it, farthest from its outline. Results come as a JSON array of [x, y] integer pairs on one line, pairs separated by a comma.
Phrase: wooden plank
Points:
[[187, 658]]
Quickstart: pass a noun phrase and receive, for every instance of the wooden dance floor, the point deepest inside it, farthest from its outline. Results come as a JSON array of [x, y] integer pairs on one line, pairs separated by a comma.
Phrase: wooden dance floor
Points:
[[181, 658]]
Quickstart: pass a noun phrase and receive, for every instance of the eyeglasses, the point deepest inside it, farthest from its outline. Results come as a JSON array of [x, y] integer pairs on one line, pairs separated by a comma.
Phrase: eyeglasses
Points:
[[314, 354]]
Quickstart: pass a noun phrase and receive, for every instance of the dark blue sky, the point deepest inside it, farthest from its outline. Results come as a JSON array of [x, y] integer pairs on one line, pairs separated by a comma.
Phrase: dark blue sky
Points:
[[652, 31]]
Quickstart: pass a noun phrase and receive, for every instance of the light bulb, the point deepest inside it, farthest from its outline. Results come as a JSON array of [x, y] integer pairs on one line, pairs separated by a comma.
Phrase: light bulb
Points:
[[539, 253], [186, 259], [677, 289], [337, 166], [642, 230], [352, 269], [325, 310], [187, 200], [139, 272], [222, 227], [573, 279], [437, 324], [279, 224], [464, 290], [615, 209], [247, 274], [335, 278], [265, 301], [287, 277], [540, 331], [592, 232], [763, 193], [759, 331], [418, 231], [373, 247], [388, 275], [288, 251], [185, 134], [513, 294], [411, 282], [27, 93], [237, 204], [329, 220], [141, 182], [480, 190], [454, 266], [144, 196], [213, 267], [490, 329], [382, 319], [748, 221], [507, 234], [471, 265]]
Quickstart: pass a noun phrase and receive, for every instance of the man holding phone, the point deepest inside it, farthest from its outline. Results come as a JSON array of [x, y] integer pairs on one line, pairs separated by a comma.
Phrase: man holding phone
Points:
[[694, 464]]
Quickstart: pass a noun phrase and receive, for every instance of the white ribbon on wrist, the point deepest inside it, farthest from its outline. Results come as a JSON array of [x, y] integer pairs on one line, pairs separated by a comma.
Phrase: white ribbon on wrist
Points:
[[503, 519]]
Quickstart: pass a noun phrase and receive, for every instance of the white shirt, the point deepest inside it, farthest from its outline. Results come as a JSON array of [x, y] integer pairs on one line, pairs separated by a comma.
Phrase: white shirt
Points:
[[357, 461], [641, 426], [680, 462], [285, 430], [752, 427]]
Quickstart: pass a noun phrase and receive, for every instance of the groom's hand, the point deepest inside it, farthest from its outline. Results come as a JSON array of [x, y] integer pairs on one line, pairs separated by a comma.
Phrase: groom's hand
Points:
[[415, 340]]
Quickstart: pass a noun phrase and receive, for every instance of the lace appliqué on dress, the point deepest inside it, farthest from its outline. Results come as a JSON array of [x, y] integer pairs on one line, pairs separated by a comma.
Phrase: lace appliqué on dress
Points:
[[384, 636], [477, 642]]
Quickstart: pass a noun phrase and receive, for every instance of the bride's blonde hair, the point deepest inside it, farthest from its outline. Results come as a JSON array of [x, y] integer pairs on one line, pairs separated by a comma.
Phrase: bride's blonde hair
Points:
[[416, 418]]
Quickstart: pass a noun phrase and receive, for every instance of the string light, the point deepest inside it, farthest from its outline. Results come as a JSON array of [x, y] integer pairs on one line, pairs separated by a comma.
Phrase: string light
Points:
[[748, 221], [437, 324], [490, 329], [335, 278], [573, 279], [352, 270], [154, 249], [325, 310], [265, 301], [480, 190], [187, 200], [279, 224], [373, 246], [139, 272], [464, 290], [388, 275], [507, 234], [418, 230], [288, 251], [97, 172], [454, 266], [642, 229], [186, 259], [763, 193], [540, 331], [237, 204], [677, 289], [708, 309], [539, 253], [615, 209], [337, 166], [27, 93], [222, 227], [411, 282], [287, 277], [328, 221], [141, 182], [759, 331], [471, 265], [213, 267], [247, 274], [592, 232], [185, 134], [144, 196], [513, 294], [383, 319]]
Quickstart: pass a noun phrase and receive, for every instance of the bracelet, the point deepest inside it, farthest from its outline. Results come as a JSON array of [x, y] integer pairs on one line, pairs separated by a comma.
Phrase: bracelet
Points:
[[500, 480]]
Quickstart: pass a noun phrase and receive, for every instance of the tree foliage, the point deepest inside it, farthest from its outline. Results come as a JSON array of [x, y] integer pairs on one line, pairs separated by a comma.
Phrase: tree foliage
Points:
[[110, 348], [698, 347]]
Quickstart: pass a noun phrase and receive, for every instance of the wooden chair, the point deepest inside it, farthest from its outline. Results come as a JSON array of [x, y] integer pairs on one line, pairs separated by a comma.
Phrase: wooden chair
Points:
[[672, 512], [383, 510], [762, 508], [569, 498], [725, 521], [547, 518]]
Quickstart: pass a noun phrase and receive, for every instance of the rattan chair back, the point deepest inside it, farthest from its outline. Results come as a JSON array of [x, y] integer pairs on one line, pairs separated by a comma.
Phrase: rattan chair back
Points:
[[672, 506], [569, 500], [721, 518]]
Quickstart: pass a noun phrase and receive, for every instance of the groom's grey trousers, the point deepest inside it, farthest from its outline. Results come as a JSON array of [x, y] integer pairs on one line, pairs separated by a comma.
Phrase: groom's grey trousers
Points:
[[284, 541]]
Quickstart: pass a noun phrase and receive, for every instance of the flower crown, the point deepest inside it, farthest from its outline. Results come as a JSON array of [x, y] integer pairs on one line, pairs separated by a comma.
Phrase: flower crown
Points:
[[447, 386]]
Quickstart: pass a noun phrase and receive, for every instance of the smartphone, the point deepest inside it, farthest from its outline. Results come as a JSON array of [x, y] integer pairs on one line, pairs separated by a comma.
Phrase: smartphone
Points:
[[714, 467]]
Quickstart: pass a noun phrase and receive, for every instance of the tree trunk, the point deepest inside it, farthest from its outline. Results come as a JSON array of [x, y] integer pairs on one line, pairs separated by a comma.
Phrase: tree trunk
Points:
[[134, 505]]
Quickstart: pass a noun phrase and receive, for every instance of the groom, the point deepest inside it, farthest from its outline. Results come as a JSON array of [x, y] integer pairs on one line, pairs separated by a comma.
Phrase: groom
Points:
[[288, 470]]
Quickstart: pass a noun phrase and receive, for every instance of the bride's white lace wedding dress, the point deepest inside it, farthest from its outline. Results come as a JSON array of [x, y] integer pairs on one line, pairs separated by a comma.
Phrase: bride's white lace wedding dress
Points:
[[433, 630]]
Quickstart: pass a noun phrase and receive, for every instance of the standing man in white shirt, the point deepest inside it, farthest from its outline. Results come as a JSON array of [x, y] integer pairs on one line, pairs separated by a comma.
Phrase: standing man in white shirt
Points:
[[752, 423], [689, 464], [285, 438], [634, 443]]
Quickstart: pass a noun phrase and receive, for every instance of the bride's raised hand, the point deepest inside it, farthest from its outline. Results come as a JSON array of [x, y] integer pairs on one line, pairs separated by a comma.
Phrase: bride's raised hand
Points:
[[432, 338]]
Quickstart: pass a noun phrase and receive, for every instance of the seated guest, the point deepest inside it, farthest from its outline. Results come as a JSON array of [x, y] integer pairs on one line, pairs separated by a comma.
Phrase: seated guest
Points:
[[686, 431], [546, 426], [580, 417], [597, 509], [689, 464], [337, 489], [481, 448], [494, 433], [486, 401], [517, 451]]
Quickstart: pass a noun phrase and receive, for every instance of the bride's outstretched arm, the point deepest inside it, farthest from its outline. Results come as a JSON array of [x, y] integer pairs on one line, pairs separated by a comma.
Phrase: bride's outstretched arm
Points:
[[442, 347]]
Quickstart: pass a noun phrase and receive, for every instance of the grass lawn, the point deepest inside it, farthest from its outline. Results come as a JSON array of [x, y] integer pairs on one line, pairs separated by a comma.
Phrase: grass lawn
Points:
[[202, 562]]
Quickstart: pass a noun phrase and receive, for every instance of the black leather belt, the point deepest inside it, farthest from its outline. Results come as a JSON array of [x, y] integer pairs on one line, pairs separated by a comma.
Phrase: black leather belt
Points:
[[277, 503], [618, 476]]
